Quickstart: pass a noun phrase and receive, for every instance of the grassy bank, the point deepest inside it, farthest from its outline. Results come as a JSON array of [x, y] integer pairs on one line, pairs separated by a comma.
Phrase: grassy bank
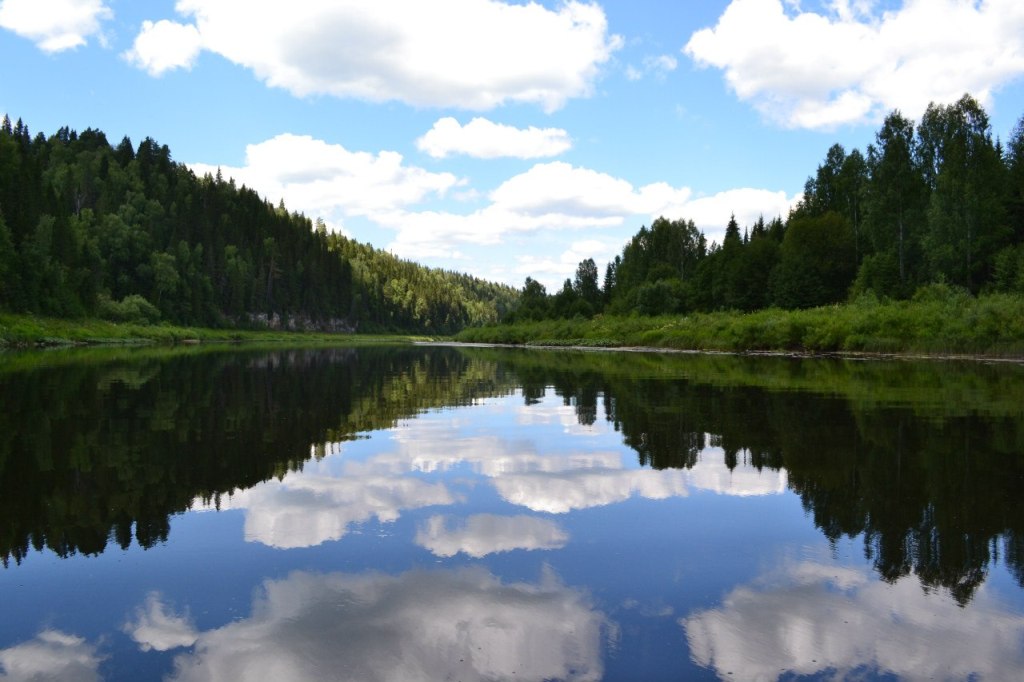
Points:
[[937, 322], [22, 331]]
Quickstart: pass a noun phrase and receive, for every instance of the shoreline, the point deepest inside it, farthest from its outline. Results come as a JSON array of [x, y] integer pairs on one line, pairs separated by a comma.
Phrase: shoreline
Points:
[[804, 355]]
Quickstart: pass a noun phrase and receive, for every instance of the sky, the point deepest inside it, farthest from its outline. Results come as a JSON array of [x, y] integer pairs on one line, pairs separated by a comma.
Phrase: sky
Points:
[[505, 138]]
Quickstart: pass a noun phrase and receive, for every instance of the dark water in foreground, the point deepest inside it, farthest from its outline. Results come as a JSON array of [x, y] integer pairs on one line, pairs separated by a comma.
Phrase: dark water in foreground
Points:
[[480, 514]]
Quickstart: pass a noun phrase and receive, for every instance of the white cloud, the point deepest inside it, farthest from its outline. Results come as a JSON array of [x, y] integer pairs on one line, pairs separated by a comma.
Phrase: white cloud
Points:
[[465, 625], [485, 139], [327, 180], [711, 213], [54, 25], [157, 628], [817, 619], [551, 272], [52, 655], [473, 54], [560, 188], [484, 534], [554, 196], [163, 46], [560, 196], [853, 63]]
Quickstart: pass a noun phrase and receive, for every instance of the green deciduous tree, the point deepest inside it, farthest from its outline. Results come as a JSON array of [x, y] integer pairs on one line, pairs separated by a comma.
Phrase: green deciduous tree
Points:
[[966, 224], [894, 208], [816, 263]]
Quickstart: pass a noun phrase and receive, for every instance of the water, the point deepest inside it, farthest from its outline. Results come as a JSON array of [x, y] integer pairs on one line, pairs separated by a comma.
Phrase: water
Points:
[[434, 513]]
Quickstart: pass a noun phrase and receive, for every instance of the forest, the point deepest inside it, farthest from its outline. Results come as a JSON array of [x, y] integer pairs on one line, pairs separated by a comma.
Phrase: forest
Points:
[[939, 202], [124, 233]]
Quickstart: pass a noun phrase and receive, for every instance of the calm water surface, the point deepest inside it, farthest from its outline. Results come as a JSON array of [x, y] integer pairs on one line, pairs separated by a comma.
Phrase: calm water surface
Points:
[[430, 513]]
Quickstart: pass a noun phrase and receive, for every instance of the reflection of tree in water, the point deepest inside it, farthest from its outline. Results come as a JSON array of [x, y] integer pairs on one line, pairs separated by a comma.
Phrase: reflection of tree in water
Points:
[[105, 451], [925, 462]]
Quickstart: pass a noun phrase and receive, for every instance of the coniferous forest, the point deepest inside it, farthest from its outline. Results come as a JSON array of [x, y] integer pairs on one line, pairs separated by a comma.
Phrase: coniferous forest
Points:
[[127, 234], [940, 202]]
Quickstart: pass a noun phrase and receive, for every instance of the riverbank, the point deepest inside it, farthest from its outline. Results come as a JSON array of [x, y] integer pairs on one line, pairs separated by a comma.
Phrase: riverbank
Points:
[[936, 325], [27, 331]]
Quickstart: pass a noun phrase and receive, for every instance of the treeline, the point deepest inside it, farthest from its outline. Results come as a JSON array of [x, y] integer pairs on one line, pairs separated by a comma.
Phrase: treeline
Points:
[[937, 202], [127, 234]]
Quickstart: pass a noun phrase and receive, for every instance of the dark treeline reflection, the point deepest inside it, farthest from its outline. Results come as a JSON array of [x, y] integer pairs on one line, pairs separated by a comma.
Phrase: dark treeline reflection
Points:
[[925, 460], [105, 449]]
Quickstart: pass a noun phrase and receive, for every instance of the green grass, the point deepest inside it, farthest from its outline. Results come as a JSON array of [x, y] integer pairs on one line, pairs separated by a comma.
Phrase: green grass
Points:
[[22, 331], [937, 323]]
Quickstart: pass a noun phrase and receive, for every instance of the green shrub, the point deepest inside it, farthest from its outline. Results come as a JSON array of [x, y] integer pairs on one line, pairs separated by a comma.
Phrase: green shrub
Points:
[[133, 309]]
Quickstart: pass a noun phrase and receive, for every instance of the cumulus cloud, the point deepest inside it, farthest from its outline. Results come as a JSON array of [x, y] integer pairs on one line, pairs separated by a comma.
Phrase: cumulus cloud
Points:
[[164, 46], [55, 25], [853, 62], [465, 625], [559, 196], [410, 51], [817, 619], [324, 179], [485, 139], [552, 271], [156, 627], [484, 534], [52, 655], [711, 213], [327, 180]]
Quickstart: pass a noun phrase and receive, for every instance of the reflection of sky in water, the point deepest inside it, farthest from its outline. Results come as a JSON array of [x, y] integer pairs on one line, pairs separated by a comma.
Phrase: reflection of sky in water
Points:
[[430, 550], [821, 618], [555, 466], [422, 625]]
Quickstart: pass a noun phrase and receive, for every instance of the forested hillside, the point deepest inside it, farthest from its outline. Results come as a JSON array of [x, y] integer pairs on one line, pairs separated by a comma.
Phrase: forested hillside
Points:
[[395, 294], [939, 202], [124, 233]]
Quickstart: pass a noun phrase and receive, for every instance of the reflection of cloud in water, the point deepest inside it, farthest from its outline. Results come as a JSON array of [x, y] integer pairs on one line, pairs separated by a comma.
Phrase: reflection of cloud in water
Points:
[[563, 415], [562, 483], [314, 506], [710, 473], [563, 492], [820, 618], [157, 627], [463, 625], [52, 655], [485, 534], [307, 509]]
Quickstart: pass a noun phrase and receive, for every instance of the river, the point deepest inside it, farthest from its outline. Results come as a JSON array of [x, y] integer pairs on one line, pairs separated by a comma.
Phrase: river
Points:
[[438, 513]]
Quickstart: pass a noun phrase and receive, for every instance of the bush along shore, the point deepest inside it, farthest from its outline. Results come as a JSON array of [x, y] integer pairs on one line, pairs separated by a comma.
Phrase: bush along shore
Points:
[[28, 331], [939, 320]]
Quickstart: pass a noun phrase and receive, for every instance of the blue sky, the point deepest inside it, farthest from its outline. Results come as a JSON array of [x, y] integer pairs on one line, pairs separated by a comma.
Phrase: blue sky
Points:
[[505, 138]]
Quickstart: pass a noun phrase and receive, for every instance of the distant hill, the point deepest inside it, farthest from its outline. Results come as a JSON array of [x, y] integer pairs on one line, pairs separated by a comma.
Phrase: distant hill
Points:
[[125, 233]]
